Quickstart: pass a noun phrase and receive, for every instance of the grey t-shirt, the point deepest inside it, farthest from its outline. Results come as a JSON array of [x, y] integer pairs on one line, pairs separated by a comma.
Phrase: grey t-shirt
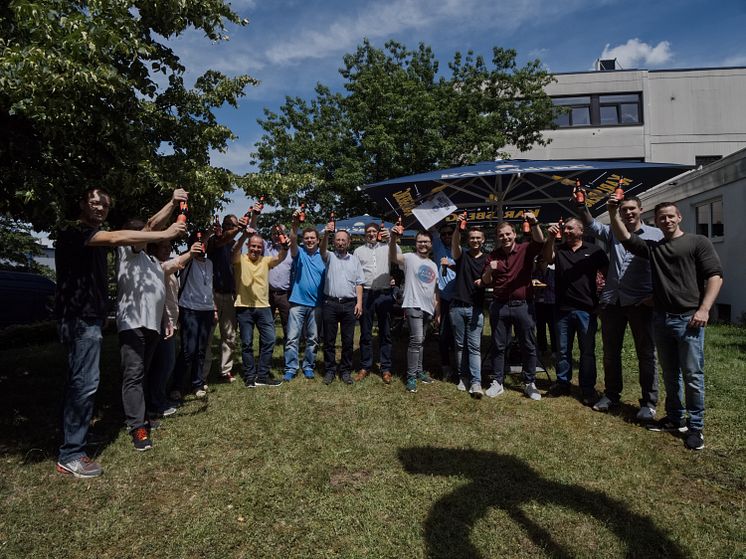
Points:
[[420, 282]]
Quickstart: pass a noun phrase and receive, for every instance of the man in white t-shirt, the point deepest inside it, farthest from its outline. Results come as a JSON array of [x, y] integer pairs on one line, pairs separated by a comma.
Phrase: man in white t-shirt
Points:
[[421, 299]]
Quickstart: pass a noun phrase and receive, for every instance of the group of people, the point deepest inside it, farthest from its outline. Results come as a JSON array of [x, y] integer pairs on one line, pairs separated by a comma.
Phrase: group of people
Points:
[[660, 281]]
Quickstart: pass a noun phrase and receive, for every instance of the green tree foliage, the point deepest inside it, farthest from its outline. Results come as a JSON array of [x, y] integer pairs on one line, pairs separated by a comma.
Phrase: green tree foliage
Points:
[[399, 116], [20, 248], [90, 94]]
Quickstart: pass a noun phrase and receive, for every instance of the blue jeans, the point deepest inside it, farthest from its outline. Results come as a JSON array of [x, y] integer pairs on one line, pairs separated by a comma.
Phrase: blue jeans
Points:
[[377, 304], [302, 318], [82, 338], [502, 316], [418, 321], [584, 324], [161, 369], [262, 318], [195, 337], [681, 352], [467, 323]]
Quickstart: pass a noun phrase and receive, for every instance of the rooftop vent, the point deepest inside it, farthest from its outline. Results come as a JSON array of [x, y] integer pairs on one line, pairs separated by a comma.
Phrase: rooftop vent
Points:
[[606, 64]]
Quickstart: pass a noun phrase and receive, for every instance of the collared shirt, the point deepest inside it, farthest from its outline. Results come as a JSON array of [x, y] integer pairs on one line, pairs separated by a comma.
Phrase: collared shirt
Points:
[[576, 272], [512, 278], [308, 278], [445, 282], [375, 262], [343, 275], [629, 280], [279, 276], [252, 281]]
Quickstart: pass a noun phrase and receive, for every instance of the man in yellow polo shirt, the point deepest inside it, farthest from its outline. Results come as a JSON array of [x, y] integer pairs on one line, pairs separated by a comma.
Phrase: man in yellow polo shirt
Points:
[[251, 273]]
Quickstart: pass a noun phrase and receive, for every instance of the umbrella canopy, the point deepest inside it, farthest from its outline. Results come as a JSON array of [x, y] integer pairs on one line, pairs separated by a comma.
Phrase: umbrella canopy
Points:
[[356, 225], [492, 191]]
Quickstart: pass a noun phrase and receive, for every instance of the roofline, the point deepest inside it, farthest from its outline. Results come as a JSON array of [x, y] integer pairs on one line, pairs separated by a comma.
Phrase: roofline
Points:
[[658, 71]]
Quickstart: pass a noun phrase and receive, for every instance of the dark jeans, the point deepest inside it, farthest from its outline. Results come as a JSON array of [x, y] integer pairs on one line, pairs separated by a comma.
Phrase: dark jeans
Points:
[[614, 320], [161, 370], [136, 348], [336, 313], [248, 317], [278, 301], [418, 321], [502, 317], [445, 334], [545, 319], [82, 338], [584, 324], [195, 335], [376, 304]]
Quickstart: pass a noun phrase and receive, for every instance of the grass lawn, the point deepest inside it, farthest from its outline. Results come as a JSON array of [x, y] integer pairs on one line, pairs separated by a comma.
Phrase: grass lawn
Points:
[[306, 470]]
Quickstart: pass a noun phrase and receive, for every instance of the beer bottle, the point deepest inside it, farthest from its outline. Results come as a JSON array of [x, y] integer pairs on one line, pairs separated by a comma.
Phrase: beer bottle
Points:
[[560, 224], [525, 226], [302, 213], [578, 192], [199, 240], [283, 239], [333, 221], [619, 191], [380, 231], [217, 227], [183, 210], [462, 224]]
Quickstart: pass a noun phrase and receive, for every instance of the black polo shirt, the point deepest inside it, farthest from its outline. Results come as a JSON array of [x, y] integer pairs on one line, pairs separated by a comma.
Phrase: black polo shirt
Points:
[[575, 275]]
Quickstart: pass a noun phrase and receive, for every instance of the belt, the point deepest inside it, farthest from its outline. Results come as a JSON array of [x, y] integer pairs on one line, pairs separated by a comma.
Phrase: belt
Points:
[[463, 304], [279, 291], [341, 299], [511, 302]]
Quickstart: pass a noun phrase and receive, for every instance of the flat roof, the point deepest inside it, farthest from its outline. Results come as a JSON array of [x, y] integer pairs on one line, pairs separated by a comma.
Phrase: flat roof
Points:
[[650, 71]]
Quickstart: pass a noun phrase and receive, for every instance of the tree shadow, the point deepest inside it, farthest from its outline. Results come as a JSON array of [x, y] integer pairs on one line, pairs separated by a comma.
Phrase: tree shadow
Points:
[[507, 483]]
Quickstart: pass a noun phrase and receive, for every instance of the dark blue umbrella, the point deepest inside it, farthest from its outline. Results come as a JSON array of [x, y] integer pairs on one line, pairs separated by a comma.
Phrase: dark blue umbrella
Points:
[[502, 190], [356, 225]]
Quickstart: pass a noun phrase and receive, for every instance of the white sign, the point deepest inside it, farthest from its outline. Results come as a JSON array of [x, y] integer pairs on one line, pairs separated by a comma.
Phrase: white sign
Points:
[[434, 210]]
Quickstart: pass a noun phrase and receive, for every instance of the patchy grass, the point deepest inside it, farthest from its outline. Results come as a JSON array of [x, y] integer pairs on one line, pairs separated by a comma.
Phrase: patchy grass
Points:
[[306, 470]]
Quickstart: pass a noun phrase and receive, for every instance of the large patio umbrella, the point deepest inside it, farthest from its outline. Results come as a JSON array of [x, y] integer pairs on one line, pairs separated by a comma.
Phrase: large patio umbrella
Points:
[[356, 225], [502, 190]]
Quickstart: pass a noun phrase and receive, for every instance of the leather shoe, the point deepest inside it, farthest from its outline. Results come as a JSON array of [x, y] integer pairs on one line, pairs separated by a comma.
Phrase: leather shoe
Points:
[[387, 377], [362, 373]]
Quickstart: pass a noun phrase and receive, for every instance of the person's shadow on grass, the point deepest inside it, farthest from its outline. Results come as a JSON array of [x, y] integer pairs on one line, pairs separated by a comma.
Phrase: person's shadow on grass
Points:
[[507, 483]]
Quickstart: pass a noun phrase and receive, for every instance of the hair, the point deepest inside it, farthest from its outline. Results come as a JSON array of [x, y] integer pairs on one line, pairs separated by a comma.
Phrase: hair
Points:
[[310, 230], [631, 199], [504, 224], [476, 230], [346, 232], [369, 225], [257, 236], [571, 219], [134, 224], [228, 218], [88, 193], [659, 207], [423, 233]]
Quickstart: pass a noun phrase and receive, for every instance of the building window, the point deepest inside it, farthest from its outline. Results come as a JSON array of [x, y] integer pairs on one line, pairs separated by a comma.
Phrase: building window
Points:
[[710, 219], [599, 110]]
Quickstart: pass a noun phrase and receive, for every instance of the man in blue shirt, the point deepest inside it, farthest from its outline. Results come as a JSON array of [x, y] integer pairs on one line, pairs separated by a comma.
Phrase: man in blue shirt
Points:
[[443, 258]]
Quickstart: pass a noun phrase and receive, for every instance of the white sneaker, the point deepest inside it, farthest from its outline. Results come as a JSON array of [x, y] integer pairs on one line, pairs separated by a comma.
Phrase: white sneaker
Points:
[[646, 414], [200, 393], [461, 386], [495, 389], [529, 390], [476, 390], [603, 404]]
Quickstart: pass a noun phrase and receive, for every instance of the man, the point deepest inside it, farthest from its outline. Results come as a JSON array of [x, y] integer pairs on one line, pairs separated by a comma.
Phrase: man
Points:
[[219, 251], [577, 264], [343, 302], [421, 299], [444, 259], [306, 293], [81, 305], [279, 280], [251, 274], [467, 303], [627, 299], [508, 270], [377, 301], [687, 277]]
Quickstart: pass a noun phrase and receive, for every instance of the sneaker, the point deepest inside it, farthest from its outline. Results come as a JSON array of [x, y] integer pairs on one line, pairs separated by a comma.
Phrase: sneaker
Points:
[[412, 385], [666, 425], [347, 379], [250, 384], [461, 385], [604, 404], [529, 389], [168, 411], [424, 378], [558, 389], [476, 390], [82, 467], [495, 389], [201, 393], [695, 440], [386, 377], [268, 382], [227, 377], [328, 378], [287, 377], [308, 373], [141, 439], [362, 373], [646, 414]]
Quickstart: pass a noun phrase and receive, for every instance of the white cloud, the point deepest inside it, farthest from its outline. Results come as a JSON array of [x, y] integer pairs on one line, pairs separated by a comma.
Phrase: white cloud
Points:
[[634, 54], [735, 60], [235, 158]]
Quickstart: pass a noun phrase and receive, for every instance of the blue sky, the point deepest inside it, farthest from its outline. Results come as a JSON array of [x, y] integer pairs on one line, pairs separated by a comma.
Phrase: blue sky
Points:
[[290, 45]]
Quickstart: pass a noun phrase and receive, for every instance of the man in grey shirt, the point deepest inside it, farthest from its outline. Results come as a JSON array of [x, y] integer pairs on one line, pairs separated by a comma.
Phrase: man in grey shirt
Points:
[[343, 302], [627, 298], [279, 279]]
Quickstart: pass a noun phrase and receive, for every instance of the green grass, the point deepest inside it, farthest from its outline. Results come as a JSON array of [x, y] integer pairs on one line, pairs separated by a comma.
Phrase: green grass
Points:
[[307, 470]]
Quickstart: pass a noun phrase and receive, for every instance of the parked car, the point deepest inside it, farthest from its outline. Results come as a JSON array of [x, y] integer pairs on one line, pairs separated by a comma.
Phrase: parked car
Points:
[[25, 298]]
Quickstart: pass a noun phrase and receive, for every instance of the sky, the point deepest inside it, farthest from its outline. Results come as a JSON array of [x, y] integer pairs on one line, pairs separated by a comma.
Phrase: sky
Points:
[[291, 45]]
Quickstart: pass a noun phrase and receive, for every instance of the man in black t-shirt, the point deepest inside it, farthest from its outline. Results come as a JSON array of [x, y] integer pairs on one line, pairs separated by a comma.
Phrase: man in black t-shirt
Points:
[[577, 265]]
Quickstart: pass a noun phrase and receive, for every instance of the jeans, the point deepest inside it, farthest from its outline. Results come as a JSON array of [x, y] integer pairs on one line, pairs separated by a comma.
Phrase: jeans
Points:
[[614, 320], [161, 369], [302, 318], [338, 314], [82, 338], [545, 321], [445, 334], [502, 317], [468, 323], [224, 302], [681, 351], [195, 332], [278, 300], [248, 317], [136, 348], [379, 304], [584, 324], [418, 321]]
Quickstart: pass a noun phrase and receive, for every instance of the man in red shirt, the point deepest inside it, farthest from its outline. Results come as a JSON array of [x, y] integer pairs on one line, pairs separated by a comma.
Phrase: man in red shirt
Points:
[[508, 270]]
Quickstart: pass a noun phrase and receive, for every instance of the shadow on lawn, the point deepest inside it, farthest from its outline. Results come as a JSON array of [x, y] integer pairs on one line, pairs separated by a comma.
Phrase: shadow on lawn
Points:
[[509, 484]]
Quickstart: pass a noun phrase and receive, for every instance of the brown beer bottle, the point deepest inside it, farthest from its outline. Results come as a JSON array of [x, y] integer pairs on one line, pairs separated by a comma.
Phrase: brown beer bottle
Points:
[[333, 221], [560, 224], [462, 224], [302, 213], [199, 240], [619, 191], [217, 227], [183, 210], [380, 231], [579, 193], [525, 226]]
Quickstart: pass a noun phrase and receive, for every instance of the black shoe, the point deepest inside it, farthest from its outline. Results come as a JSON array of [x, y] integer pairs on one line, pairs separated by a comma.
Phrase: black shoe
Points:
[[250, 384], [268, 382], [695, 440], [589, 399], [666, 425], [328, 378], [347, 379], [558, 389]]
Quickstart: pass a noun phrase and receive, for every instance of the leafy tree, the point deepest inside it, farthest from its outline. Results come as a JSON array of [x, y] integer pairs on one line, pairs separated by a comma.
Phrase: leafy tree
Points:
[[90, 94], [20, 248], [399, 116]]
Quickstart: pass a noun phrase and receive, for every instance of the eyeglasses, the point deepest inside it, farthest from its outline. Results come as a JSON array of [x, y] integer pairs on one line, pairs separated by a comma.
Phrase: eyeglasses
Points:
[[423, 242]]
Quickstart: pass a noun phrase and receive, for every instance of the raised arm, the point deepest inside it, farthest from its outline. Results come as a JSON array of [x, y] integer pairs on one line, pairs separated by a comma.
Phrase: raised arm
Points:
[[547, 254], [162, 218], [537, 235], [229, 234], [394, 255], [126, 237], [456, 239], [294, 234], [329, 229], [180, 262], [238, 245], [617, 225]]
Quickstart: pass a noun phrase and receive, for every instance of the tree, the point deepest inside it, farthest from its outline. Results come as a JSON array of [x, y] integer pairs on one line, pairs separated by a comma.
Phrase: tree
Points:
[[398, 116], [90, 94], [20, 248]]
